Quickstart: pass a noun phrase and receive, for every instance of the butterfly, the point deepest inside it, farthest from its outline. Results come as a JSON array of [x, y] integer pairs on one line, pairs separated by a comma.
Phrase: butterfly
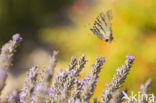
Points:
[[103, 26]]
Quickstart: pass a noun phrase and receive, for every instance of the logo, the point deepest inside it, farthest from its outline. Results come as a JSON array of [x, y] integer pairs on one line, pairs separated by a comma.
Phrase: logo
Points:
[[139, 97]]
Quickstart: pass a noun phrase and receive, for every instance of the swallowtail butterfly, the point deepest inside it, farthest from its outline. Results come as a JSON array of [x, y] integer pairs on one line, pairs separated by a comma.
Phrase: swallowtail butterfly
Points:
[[103, 26]]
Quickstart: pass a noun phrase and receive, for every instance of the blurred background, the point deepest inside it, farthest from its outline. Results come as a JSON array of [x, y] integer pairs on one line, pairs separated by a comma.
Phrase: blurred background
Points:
[[64, 25]]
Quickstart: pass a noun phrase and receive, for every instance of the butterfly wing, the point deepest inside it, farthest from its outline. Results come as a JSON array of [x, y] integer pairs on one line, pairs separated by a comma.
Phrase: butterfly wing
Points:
[[109, 14], [103, 27], [94, 30], [99, 27]]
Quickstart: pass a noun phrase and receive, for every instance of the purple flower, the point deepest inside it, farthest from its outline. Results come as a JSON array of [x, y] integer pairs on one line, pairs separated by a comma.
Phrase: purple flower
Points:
[[142, 87], [129, 57], [73, 71], [106, 91], [77, 101], [9, 96], [31, 69], [2, 49], [76, 81], [18, 96], [120, 92], [49, 91], [16, 37], [30, 76], [107, 85], [96, 79], [38, 87], [100, 59], [82, 82], [103, 92], [118, 69], [20, 39], [103, 60], [9, 56], [66, 73], [22, 95], [87, 77], [61, 72]]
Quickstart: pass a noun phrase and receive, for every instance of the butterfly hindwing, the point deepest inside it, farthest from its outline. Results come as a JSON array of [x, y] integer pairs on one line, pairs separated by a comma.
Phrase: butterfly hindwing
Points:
[[96, 33]]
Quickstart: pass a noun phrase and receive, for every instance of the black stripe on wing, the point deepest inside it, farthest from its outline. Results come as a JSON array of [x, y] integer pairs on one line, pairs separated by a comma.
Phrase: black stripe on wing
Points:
[[96, 32]]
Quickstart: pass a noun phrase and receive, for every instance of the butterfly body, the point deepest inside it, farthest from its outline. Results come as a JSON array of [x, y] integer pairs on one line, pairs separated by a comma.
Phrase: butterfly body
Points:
[[103, 26]]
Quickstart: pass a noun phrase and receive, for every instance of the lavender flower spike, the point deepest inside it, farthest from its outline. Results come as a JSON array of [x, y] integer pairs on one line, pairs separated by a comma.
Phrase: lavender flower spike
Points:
[[30, 82], [118, 79], [13, 97], [130, 57], [90, 81], [117, 96], [7, 52], [145, 89], [64, 82], [44, 82], [16, 37]]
